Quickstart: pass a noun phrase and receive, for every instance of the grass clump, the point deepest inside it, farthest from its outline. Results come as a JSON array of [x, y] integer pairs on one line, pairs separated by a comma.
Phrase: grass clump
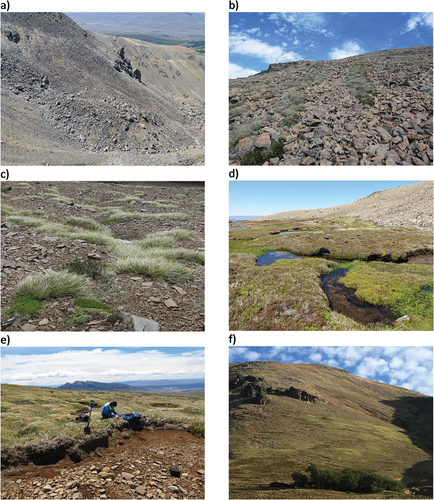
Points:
[[154, 267], [354, 480], [52, 285], [26, 305], [197, 429], [90, 268], [86, 223], [166, 238]]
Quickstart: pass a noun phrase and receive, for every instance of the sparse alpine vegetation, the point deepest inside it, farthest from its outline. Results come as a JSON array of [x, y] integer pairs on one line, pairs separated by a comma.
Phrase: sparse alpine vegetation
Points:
[[115, 251], [351, 111]]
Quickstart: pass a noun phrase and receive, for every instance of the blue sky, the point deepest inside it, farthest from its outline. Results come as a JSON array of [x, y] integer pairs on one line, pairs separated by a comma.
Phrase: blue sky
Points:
[[271, 197], [257, 40], [43, 366], [409, 367]]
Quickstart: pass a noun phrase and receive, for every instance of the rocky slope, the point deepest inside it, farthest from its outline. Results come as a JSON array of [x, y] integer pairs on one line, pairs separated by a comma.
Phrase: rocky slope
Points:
[[317, 413], [70, 97], [410, 205], [370, 109]]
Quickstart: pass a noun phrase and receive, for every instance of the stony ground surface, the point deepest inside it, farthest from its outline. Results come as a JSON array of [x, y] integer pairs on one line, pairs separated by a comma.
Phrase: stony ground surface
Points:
[[372, 109], [70, 97], [175, 306], [410, 205], [137, 466]]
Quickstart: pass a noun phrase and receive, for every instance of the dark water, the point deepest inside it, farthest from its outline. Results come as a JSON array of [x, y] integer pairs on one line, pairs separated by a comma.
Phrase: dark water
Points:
[[344, 301], [291, 232], [271, 257], [427, 289]]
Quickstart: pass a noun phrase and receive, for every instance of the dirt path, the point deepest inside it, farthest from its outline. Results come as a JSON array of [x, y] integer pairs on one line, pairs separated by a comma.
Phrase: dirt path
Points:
[[137, 466]]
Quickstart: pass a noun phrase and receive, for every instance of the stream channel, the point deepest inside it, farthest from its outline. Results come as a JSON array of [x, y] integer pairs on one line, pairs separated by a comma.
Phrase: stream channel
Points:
[[341, 299]]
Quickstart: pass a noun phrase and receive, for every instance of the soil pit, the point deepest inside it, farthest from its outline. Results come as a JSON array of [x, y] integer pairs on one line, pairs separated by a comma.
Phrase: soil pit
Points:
[[135, 465]]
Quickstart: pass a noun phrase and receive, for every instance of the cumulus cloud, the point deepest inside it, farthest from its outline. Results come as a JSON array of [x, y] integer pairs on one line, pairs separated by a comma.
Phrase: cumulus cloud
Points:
[[236, 71], [102, 365], [409, 367], [418, 19], [348, 49], [243, 44]]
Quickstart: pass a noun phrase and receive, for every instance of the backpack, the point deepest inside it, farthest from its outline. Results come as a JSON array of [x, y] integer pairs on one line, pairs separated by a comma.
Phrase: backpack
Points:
[[82, 418], [132, 416]]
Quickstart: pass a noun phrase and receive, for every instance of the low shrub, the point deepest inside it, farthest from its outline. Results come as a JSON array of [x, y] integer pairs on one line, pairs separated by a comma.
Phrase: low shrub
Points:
[[244, 130], [354, 480], [91, 268]]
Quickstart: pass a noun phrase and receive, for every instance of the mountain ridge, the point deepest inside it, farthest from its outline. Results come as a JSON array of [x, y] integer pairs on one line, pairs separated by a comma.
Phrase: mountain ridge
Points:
[[407, 205], [72, 97]]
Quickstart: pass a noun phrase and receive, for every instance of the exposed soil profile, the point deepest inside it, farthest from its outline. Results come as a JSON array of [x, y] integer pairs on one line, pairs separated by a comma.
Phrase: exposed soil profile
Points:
[[128, 464]]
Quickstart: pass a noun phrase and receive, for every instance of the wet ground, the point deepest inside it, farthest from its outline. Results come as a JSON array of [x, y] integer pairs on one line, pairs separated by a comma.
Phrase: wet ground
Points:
[[344, 301]]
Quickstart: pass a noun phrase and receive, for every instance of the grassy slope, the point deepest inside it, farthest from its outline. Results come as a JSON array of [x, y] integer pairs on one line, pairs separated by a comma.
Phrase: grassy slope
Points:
[[32, 414], [351, 426]]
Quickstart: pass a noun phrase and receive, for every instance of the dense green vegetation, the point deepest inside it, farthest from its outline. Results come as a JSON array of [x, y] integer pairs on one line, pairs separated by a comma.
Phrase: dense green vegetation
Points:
[[346, 480]]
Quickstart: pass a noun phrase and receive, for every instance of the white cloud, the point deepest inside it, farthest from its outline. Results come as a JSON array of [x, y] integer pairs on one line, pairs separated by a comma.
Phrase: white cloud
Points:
[[418, 19], [348, 49], [102, 365], [243, 44], [236, 71], [253, 31]]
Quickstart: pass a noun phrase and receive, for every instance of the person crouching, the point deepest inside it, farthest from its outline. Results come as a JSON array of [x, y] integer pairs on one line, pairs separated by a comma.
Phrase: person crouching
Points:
[[108, 410]]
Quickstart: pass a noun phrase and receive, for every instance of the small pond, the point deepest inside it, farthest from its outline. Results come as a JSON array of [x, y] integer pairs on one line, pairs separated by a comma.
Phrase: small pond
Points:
[[291, 232], [233, 228], [272, 256], [344, 301]]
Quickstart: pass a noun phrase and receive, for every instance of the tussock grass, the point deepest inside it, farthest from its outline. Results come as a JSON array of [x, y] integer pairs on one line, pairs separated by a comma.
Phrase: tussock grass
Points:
[[155, 267], [52, 285], [87, 223], [126, 199], [166, 238], [119, 216], [55, 416], [144, 256]]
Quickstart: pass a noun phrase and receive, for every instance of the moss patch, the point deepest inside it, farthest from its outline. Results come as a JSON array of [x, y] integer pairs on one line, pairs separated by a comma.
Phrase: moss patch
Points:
[[25, 305], [398, 286], [87, 309]]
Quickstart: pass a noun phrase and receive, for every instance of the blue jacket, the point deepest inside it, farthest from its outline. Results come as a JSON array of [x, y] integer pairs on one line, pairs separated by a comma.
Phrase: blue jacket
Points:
[[108, 411]]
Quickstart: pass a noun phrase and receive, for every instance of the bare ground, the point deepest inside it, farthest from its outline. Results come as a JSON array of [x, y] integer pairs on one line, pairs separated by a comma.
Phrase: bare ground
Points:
[[136, 465]]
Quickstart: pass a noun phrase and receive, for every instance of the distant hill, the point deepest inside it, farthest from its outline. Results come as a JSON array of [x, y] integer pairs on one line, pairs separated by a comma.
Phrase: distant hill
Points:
[[164, 385], [282, 417], [189, 25], [410, 205]]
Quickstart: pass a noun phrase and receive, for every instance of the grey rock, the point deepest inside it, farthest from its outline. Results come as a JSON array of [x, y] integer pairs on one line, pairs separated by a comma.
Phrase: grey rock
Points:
[[138, 324]]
